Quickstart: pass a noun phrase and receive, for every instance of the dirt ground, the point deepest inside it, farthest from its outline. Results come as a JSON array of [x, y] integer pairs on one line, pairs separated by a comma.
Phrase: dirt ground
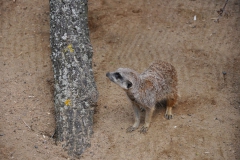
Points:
[[206, 54]]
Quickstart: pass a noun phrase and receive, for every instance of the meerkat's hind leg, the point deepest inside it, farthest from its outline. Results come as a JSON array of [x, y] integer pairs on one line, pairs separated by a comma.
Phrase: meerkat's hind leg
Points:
[[168, 114], [148, 118], [170, 103], [136, 112]]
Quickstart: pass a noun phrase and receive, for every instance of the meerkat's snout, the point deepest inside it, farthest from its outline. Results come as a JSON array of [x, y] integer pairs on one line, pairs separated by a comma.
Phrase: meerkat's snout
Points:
[[109, 76]]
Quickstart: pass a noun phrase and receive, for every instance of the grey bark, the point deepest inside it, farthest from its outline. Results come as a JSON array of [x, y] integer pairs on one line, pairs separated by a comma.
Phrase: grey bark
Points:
[[75, 92]]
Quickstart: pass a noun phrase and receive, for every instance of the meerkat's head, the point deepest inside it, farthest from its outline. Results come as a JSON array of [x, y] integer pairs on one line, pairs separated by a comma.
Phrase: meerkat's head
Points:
[[124, 77]]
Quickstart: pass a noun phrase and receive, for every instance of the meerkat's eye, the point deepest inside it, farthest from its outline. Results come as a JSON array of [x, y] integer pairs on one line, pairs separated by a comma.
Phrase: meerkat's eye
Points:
[[118, 76]]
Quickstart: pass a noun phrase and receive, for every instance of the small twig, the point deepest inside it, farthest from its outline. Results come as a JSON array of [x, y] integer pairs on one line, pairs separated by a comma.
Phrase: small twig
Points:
[[220, 12], [25, 123], [53, 134]]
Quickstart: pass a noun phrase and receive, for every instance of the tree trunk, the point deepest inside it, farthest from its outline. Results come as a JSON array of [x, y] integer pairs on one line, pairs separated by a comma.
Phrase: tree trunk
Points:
[[75, 91]]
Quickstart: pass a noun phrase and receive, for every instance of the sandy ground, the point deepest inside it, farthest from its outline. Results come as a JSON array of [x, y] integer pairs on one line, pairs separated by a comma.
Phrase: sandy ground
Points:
[[206, 123]]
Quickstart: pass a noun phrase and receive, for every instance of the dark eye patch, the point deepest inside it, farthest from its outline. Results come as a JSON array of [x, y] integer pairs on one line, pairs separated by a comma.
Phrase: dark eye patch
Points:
[[118, 75]]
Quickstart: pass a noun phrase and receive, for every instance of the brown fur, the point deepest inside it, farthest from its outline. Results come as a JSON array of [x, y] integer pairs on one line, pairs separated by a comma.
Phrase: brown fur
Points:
[[157, 83]]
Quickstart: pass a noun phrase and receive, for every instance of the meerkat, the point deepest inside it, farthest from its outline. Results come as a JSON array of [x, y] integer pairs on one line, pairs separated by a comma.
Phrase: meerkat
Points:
[[145, 90]]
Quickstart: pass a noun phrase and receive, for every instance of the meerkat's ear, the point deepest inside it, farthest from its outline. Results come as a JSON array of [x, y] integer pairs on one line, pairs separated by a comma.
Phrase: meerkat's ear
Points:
[[129, 84]]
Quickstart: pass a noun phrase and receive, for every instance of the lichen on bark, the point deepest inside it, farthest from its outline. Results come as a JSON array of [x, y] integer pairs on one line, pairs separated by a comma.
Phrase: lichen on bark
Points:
[[75, 90]]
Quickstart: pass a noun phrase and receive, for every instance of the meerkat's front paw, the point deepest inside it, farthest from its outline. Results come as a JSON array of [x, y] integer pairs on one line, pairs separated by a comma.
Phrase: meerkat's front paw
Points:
[[168, 116], [144, 129], [130, 129]]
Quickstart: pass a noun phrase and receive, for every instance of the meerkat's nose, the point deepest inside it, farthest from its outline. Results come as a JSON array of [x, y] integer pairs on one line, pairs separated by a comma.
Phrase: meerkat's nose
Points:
[[107, 74]]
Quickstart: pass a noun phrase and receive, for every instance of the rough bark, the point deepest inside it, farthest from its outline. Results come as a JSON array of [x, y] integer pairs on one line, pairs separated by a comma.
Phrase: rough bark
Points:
[[75, 90]]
